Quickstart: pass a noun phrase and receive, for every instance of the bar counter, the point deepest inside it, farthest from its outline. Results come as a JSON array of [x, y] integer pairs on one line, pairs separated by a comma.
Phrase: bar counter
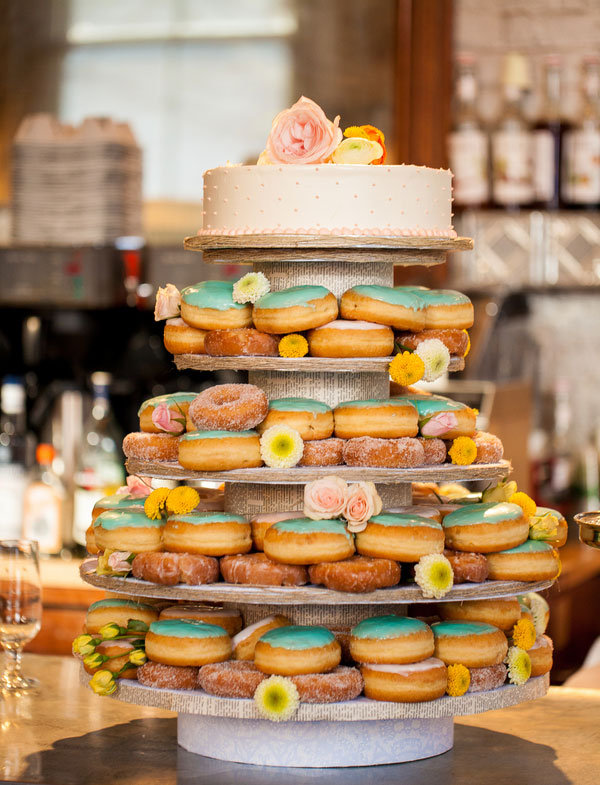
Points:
[[66, 735]]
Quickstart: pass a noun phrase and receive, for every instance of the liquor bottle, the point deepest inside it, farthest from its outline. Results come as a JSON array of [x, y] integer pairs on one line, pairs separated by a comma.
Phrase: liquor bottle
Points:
[[13, 457], [548, 139], [512, 153], [99, 468], [468, 142], [44, 504], [581, 158]]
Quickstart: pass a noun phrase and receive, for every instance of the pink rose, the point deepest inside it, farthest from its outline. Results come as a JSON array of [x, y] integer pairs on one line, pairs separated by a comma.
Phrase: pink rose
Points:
[[439, 424], [137, 487], [168, 303], [325, 498], [117, 561], [164, 421], [302, 135], [363, 503]]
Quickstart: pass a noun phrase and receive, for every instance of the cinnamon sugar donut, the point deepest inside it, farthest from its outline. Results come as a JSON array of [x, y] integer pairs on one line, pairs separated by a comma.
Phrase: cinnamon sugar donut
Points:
[[229, 407], [256, 569], [489, 447], [490, 678], [456, 341], [340, 684], [468, 567], [356, 574], [233, 679], [388, 453], [181, 338], [151, 446], [242, 341], [168, 569], [434, 450], [323, 452], [168, 677]]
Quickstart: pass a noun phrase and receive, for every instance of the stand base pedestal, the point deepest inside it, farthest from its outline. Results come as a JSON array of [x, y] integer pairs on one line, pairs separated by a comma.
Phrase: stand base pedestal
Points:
[[315, 744]]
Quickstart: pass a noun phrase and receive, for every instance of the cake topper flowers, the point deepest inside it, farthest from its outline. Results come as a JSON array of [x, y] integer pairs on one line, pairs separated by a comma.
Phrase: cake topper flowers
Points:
[[372, 134], [302, 134], [332, 497]]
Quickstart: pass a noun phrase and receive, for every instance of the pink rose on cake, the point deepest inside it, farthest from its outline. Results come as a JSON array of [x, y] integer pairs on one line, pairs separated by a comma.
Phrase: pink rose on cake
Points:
[[137, 487], [302, 135], [439, 424], [164, 421], [363, 503], [325, 498]]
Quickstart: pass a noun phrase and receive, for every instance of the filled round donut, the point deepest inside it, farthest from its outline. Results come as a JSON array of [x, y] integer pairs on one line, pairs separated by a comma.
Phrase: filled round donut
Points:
[[312, 419], [242, 341], [263, 521], [229, 407], [209, 305], [151, 446], [404, 538], [356, 574], [469, 643], [181, 338], [485, 528], [391, 639], [413, 682], [169, 569], [540, 655], [256, 569], [187, 642], [118, 652], [343, 338], [434, 451], [209, 451], [388, 453], [244, 642], [557, 521], [397, 307], [294, 309], [304, 541], [445, 308], [119, 612], [177, 404], [533, 560], [294, 649], [233, 679], [503, 613], [128, 531], [456, 341], [489, 447], [485, 679], [212, 534], [467, 567], [323, 452], [168, 677], [119, 502], [340, 684], [229, 618], [442, 417], [390, 418]]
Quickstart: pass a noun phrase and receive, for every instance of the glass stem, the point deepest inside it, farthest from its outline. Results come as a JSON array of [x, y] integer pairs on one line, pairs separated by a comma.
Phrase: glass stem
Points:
[[12, 662]]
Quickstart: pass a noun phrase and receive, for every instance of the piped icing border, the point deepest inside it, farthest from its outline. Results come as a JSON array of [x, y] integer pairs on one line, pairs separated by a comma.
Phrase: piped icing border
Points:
[[351, 231]]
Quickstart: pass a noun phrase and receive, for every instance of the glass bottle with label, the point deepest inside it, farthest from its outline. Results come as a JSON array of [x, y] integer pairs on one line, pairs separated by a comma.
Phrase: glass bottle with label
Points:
[[581, 157], [548, 139], [13, 457], [44, 504], [468, 142], [512, 150]]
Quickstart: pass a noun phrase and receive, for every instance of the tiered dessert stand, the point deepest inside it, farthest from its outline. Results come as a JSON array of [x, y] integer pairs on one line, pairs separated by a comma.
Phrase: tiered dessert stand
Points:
[[359, 732]]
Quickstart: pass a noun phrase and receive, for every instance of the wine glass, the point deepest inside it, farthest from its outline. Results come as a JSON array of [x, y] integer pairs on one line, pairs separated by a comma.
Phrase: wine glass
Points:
[[20, 608]]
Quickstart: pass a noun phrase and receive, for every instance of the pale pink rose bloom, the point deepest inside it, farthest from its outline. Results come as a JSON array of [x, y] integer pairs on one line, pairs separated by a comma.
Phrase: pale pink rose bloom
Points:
[[363, 503], [117, 561], [302, 135], [325, 498], [440, 424], [138, 487], [162, 418], [168, 303]]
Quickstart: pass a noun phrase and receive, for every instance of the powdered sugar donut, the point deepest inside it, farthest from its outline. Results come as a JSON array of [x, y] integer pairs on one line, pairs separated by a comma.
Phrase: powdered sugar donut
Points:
[[233, 679], [340, 684], [151, 446], [323, 452], [229, 407], [490, 678], [434, 451], [168, 677], [387, 453], [343, 338]]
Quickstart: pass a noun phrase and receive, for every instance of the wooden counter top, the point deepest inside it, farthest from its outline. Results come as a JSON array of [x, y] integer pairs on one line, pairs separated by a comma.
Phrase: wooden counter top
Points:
[[66, 735]]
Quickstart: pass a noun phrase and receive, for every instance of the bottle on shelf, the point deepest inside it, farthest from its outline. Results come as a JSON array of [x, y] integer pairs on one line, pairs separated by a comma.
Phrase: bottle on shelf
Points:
[[13, 457], [512, 151], [44, 504], [99, 468], [581, 157], [548, 139], [468, 149]]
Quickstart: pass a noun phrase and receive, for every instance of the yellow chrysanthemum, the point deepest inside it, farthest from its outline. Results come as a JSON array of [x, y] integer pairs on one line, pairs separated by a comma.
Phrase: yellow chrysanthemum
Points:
[[463, 451], [434, 575], [281, 447], [459, 680], [519, 665], [277, 698], [155, 504], [523, 634], [103, 683], [525, 502], [406, 368], [293, 345], [182, 500], [468, 349]]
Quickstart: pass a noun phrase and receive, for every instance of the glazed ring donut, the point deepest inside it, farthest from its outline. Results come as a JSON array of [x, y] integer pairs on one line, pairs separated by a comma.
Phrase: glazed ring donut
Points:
[[211, 534], [168, 677], [180, 338], [467, 567], [434, 451], [293, 650], [340, 684], [445, 308], [230, 619], [255, 569], [209, 305], [390, 418], [489, 447], [121, 502], [562, 529], [533, 560], [540, 655], [128, 531], [469, 643], [260, 523], [294, 309], [304, 541], [169, 569], [485, 679], [434, 408], [187, 643], [118, 611], [343, 338], [233, 679], [397, 307], [411, 683], [389, 453], [502, 613], [178, 405], [312, 419], [244, 642], [356, 574], [218, 451], [391, 639], [243, 341], [420, 510], [151, 446], [456, 341], [404, 538], [118, 653], [229, 407], [323, 452], [486, 528]]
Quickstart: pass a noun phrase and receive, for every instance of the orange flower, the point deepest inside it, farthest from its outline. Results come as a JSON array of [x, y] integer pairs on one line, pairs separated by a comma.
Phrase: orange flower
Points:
[[368, 132]]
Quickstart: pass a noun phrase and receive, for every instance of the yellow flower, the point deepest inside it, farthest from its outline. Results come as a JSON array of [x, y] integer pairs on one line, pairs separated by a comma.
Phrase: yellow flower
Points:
[[543, 527], [94, 660], [155, 503], [182, 500], [434, 575], [103, 683], [525, 502], [281, 447], [109, 631], [540, 610], [251, 287], [499, 493], [293, 345], [523, 634], [277, 698], [463, 451], [83, 645], [355, 130], [519, 665], [137, 657], [459, 680], [468, 349], [406, 368]]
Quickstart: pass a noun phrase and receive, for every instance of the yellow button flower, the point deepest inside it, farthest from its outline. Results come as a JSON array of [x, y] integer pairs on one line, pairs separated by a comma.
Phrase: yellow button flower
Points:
[[182, 500], [459, 680], [293, 345], [525, 502], [523, 634], [463, 451], [406, 368], [155, 504]]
